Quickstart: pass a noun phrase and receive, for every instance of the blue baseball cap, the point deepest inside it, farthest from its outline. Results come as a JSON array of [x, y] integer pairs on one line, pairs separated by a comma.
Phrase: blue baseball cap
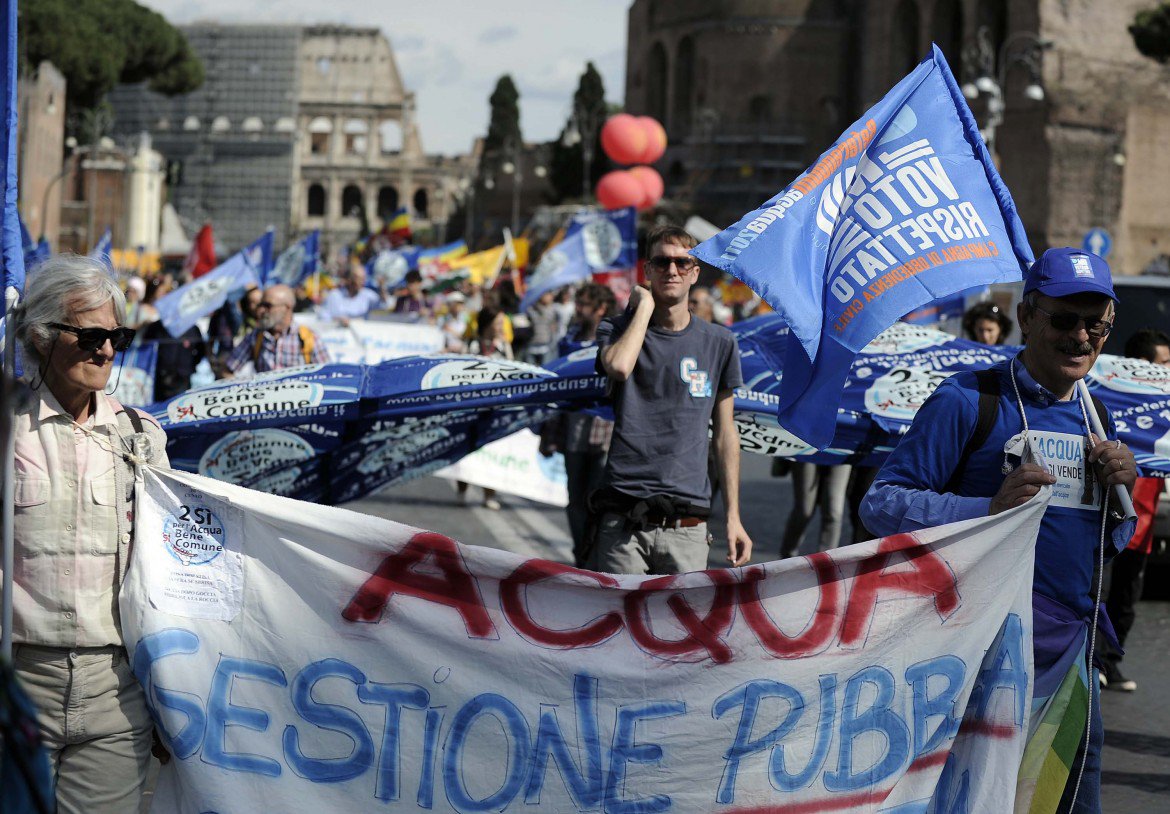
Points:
[[1063, 272]]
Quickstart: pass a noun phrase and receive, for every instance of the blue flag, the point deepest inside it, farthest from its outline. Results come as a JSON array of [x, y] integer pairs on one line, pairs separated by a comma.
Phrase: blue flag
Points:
[[103, 247], [12, 250], [297, 263], [594, 241], [184, 306], [615, 233], [35, 251], [904, 209], [101, 250]]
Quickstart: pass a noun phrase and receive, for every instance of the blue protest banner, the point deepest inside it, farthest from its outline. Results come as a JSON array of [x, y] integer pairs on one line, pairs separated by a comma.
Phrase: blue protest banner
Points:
[[334, 433], [184, 306], [904, 209], [276, 399], [296, 263]]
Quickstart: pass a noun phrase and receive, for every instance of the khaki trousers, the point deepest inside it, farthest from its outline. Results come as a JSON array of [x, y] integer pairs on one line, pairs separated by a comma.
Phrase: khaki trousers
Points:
[[622, 550], [92, 715]]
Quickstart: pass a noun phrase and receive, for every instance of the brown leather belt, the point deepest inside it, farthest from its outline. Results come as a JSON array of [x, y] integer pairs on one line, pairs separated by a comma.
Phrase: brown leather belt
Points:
[[673, 522]]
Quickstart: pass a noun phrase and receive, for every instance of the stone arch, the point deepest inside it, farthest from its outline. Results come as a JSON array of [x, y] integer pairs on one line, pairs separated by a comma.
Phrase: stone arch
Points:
[[315, 203], [356, 134], [387, 201], [656, 82], [421, 201], [947, 30], [351, 200], [684, 83], [905, 36], [759, 109], [320, 132]]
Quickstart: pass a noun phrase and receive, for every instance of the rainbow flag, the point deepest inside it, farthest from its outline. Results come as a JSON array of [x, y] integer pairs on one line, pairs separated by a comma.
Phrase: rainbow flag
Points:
[[1060, 709], [398, 227]]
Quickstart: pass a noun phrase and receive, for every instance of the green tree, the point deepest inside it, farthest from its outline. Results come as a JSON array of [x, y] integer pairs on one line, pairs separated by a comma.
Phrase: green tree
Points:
[[567, 163], [98, 43], [503, 133], [1151, 32]]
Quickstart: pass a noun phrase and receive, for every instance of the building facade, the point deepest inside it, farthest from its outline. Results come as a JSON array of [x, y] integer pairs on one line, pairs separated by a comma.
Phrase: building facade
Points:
[[295, 128], [41, 144], [752, 91]]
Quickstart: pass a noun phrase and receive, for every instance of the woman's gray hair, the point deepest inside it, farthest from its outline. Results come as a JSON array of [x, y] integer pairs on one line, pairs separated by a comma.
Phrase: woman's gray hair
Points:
[[61, 287]]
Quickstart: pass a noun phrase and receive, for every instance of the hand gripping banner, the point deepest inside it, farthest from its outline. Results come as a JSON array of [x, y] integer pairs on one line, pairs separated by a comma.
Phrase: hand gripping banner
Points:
[[306, 658]]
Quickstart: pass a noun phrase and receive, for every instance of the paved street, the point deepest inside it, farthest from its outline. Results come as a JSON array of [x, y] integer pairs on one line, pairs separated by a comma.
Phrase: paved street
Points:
[[1137, 755]]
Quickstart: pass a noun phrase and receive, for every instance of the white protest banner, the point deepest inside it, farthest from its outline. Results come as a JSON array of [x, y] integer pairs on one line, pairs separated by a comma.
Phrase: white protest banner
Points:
[[372, 341], [515, 466], [306, 658]]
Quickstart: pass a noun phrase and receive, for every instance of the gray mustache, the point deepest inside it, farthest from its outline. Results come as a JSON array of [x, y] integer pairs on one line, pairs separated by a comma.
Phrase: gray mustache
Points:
[[1077, 349]]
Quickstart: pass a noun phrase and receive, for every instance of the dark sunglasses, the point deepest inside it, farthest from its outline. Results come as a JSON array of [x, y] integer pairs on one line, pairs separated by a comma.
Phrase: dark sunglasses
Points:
[[90, 339], [662, 263], [1070, 321]]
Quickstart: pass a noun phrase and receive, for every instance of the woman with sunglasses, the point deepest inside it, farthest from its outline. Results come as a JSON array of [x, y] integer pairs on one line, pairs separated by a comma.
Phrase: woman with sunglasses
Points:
[[74, 487]]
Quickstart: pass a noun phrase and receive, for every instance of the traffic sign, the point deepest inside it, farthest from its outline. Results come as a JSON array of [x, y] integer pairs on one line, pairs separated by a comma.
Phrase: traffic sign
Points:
[[1097, 241]]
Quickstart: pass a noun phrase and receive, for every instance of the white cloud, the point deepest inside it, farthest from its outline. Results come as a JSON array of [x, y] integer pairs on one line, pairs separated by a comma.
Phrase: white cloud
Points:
[[451, 52]]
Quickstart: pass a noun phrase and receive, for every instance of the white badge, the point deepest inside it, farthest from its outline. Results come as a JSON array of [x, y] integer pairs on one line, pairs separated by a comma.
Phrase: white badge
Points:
[[1063, 455]]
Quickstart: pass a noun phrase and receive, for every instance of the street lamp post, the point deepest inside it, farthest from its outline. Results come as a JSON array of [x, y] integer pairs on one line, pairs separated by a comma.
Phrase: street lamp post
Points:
[[582, 130], [991, 74], [513, 167]]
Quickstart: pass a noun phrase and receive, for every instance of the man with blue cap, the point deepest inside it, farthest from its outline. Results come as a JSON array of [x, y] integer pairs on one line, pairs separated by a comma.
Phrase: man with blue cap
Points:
[[989, 441]]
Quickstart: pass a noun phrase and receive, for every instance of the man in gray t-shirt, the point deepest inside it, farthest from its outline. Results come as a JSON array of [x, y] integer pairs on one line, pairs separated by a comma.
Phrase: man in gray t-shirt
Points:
[[671, 375]]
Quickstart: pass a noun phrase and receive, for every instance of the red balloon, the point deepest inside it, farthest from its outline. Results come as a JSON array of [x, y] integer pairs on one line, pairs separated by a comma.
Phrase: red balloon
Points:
[[619, 189], [624, 139], [655, 139], [651, 184]]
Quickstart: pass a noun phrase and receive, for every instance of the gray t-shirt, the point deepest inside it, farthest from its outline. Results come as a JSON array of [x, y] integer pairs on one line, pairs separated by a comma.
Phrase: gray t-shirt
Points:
[[660, 438]]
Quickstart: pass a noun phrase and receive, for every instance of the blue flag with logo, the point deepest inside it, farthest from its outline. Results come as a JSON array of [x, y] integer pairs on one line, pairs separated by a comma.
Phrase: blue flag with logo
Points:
[[616, 235], [297, 263], [184, 306], [904, 209], [594, 241]]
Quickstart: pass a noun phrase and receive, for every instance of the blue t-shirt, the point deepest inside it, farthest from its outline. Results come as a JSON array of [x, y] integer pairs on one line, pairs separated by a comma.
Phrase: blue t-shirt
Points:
[[907, 493], [663, 411]]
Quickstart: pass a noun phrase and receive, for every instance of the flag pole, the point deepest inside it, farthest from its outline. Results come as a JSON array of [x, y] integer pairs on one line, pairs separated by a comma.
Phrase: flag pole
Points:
[[8, 387], [1119, 491]]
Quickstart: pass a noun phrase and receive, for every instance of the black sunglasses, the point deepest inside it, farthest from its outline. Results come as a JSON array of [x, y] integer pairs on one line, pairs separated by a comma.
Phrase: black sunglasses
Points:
[[662, 263], [1070, 321], [90, 339]]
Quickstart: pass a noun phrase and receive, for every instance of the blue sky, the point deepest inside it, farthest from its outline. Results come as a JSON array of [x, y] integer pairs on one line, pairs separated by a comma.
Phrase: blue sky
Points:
[[451, 52]]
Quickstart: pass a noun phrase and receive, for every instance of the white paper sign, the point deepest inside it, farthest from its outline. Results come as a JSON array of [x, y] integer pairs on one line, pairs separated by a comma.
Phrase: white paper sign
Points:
[[515, 466]]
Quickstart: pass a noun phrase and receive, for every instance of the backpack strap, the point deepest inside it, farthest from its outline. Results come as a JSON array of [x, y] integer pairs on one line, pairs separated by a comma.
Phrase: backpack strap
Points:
[[1102, 412], [988, 383], [135, 419], [130, 413]]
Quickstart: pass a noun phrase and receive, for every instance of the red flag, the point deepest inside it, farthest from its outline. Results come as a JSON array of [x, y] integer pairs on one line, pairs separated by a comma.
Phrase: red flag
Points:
[[201, 258]]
